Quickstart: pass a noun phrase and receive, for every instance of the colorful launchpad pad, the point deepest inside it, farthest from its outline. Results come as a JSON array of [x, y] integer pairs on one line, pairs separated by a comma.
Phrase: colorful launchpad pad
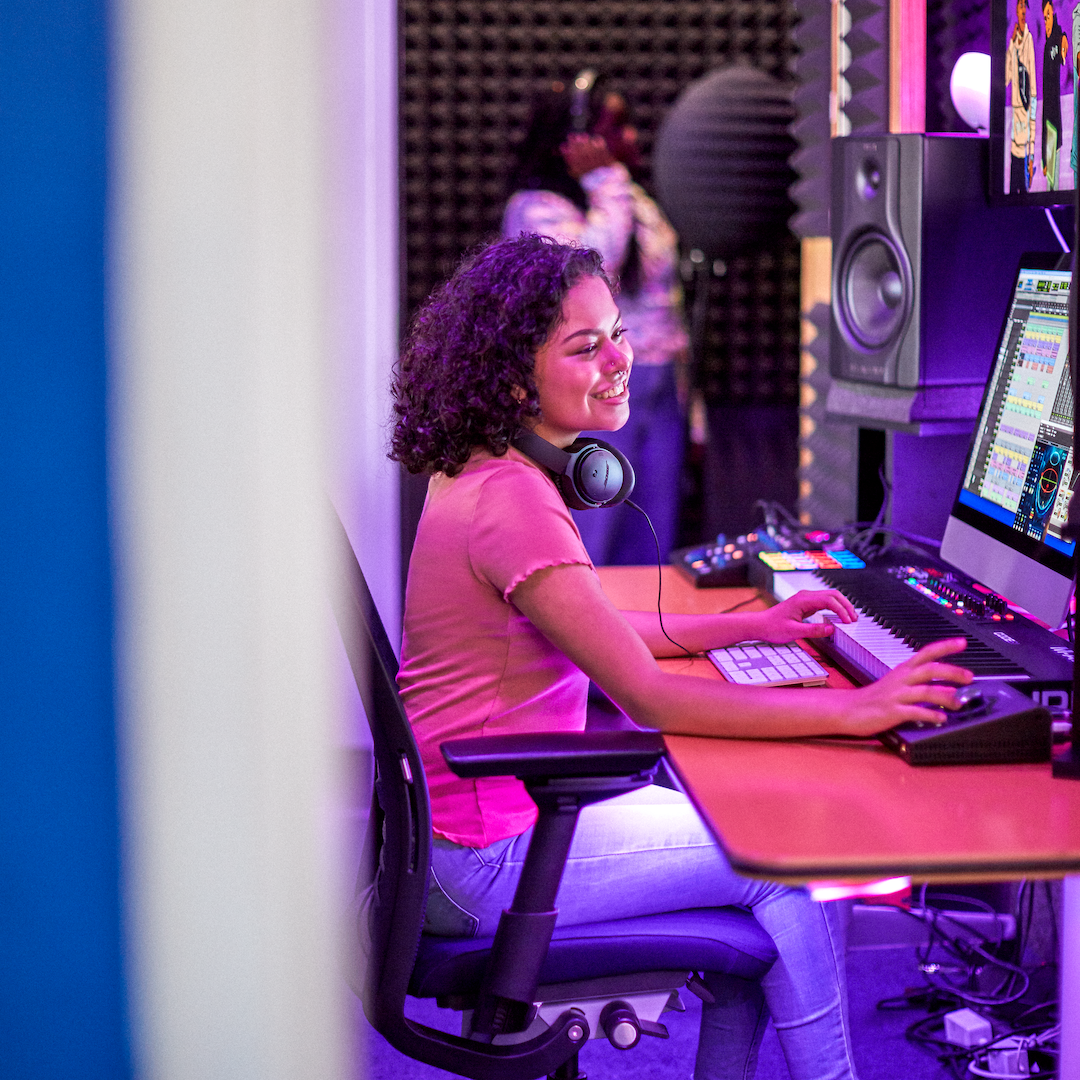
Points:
[[757, 663], [779, 561]]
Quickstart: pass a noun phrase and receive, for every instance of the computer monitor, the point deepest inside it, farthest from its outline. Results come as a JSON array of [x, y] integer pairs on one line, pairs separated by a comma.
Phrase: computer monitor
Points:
[[1005, 526]]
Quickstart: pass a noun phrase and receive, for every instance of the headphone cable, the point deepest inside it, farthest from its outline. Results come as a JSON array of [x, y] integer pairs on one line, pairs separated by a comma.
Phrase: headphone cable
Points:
[[659, 579]]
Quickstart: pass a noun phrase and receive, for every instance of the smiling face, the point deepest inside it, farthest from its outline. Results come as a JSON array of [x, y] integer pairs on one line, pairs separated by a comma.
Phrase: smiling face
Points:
[[583, 368]]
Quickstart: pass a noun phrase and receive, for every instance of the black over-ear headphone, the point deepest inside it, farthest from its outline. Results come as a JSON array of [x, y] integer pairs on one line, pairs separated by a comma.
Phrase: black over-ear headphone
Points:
[[589, 474]]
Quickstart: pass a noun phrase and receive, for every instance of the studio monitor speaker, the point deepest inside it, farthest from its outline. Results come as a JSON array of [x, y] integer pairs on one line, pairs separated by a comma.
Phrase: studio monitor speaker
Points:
[[922, 268]]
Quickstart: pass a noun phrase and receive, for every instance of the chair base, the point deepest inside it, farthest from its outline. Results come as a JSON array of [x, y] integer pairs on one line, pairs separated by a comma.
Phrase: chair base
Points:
[[649, 995], [568, 1070]]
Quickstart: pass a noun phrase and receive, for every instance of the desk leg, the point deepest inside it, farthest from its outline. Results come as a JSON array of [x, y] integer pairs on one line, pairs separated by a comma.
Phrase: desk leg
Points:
[[1070, 981]]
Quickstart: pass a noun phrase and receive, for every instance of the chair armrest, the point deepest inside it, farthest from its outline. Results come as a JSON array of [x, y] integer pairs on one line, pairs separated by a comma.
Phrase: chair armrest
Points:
[[551, 754], [562, 771]]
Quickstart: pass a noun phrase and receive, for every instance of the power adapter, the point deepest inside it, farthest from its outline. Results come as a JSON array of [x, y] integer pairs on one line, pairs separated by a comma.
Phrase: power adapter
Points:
[[1009, 1058], [965, 1027]]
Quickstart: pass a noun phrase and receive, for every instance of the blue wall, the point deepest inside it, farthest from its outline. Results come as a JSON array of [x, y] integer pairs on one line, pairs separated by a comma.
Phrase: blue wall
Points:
[[61, 982]]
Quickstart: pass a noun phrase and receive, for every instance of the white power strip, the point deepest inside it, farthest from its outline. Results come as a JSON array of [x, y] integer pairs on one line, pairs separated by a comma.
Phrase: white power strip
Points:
[[879, 926]]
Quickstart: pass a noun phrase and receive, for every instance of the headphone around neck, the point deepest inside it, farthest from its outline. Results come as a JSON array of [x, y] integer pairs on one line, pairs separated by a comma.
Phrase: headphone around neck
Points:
[[589, 474]]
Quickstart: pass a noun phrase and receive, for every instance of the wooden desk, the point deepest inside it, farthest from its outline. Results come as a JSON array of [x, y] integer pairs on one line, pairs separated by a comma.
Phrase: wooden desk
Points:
[[802, 810]]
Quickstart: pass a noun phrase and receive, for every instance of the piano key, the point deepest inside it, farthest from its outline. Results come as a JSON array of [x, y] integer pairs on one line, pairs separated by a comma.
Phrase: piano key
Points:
[[906, 620], [872, 646]]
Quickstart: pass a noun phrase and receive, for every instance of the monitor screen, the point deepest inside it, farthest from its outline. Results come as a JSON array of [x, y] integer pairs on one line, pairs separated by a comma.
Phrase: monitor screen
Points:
[[1033, 131], [1018, 478]]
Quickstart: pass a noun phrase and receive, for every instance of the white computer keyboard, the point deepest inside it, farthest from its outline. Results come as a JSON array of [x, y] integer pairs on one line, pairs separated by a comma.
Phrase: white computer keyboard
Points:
[[757, 663]]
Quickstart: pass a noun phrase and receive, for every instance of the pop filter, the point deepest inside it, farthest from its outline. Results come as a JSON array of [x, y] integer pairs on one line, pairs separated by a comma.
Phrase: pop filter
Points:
[[720, 163]]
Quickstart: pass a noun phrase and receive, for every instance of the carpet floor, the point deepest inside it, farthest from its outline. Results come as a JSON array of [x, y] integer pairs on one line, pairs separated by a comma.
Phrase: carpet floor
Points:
[[881, 1050]]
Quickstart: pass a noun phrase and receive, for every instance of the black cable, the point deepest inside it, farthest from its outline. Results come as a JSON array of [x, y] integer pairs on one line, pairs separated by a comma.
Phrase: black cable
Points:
[[963, 952], [770, 508], [947, 1053], [1038, 1039], [1023, 922], [925, 997], [957, 1058], [1050, 905], [886, 498], [1023, 926], [1013, 985], [941, 995], [659, 579], [858, 533], [973, 901]]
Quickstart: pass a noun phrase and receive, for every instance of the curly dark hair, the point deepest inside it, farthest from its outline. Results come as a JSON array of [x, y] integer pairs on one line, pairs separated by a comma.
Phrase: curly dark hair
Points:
[[465, 376]]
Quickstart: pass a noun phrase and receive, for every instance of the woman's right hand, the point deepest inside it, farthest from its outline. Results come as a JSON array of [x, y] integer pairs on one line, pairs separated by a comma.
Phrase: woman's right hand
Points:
[[583, 153], [906, 691]]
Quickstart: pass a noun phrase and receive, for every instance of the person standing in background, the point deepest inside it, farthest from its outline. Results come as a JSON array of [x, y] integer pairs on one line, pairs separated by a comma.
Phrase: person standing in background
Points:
[[573, 182], [1020, 76], [1055, 50]]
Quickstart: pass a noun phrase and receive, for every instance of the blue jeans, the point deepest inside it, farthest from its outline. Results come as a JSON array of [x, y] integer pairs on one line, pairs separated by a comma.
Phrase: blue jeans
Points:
[[648, 852], [653, 440]]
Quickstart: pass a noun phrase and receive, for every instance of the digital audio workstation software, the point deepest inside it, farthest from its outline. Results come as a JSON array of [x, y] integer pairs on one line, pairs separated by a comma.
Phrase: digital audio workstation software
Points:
[[1020, 471]]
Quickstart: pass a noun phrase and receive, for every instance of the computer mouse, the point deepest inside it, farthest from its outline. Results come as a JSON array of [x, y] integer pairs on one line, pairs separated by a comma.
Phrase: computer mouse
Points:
[[972, 701]]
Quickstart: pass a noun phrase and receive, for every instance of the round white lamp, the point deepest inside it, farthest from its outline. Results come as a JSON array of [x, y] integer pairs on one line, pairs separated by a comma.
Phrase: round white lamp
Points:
[[969, 88]]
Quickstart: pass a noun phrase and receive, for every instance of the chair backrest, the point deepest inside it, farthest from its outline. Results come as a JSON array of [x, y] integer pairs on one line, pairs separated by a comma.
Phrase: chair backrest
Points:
[[394, 890], [398, 845]]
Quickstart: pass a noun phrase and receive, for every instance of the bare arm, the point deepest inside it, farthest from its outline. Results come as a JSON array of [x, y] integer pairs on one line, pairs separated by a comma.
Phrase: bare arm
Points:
[[782, 622], [568, 606]]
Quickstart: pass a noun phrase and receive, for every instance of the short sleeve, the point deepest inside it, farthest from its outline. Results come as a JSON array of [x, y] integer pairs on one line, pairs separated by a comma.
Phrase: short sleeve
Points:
[[521, 525]]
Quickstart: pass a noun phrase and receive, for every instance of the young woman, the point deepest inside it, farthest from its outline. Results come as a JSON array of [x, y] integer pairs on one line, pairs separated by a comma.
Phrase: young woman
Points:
[[505, 622]]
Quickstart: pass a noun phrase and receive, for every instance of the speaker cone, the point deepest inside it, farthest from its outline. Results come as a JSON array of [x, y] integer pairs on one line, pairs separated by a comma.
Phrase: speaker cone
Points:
[[873, 292]]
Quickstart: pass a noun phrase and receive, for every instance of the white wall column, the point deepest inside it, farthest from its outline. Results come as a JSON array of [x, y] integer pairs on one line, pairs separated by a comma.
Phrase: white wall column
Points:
[[220, 465], [365, 289]]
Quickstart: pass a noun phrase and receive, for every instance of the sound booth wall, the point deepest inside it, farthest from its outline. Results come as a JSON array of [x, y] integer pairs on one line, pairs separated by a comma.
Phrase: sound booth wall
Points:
[[468, 71]]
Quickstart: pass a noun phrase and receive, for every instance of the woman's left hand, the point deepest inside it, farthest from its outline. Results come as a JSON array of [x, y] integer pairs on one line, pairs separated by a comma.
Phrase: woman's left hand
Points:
[[784, 621]]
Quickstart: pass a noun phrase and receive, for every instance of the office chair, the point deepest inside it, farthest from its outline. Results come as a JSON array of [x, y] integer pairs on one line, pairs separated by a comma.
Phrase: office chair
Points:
[[532, 995]]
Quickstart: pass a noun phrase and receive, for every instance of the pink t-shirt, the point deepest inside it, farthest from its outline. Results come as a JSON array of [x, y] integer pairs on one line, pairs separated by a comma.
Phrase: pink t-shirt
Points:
[[471, 663]]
